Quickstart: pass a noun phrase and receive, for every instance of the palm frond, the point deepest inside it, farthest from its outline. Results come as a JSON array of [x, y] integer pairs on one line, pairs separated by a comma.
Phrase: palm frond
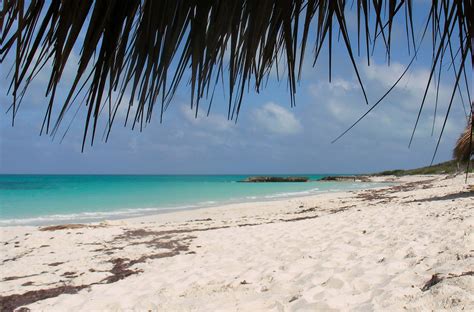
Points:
[[145, 48]]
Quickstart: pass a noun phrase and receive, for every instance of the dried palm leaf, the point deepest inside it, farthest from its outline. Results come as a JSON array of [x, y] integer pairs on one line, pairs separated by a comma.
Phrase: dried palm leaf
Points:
[[464, 146], [143, 49]]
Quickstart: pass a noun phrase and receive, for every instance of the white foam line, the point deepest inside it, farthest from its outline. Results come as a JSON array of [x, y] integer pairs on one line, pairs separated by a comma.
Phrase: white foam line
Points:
[[132, 212], [90, 216]]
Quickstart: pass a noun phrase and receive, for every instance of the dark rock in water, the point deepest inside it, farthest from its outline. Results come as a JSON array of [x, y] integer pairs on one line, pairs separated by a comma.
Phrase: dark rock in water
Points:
[[346, 179], [275, 179]]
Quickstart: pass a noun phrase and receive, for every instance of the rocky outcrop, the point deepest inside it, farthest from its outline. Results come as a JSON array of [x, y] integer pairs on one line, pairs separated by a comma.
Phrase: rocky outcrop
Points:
[[346, 179], [261, 179]]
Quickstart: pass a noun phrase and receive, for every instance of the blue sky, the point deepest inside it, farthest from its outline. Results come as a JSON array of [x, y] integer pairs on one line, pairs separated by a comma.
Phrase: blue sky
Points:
[[269, 137]]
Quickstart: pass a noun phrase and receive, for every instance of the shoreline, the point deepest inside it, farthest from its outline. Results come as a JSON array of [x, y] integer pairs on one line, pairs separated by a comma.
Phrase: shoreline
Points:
[[405, 246], [130, 213]]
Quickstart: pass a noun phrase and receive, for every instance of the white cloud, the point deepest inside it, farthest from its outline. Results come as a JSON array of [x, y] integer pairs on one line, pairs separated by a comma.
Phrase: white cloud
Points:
[[414, 81], [276, 119], [341, 110], [343, 84], [395, 117], [214, 121], [338, 86], [411, 87]]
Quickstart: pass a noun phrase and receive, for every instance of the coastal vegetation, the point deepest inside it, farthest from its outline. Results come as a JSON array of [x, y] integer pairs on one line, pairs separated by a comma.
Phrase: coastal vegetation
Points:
[[447, 167]]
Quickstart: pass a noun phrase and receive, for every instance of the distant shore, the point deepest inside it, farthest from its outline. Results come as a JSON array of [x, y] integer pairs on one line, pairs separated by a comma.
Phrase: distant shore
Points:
[[401, 247]]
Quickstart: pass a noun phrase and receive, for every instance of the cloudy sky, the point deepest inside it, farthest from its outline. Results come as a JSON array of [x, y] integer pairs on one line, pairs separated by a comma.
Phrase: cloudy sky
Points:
[[269, 137]]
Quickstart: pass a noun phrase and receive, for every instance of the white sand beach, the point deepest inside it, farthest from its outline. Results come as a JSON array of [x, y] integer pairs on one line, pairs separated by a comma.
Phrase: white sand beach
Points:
[[403, 247]]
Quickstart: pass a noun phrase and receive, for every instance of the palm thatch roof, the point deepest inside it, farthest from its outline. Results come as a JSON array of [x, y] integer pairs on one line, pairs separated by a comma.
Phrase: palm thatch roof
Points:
[[143, 48], [464, 148]]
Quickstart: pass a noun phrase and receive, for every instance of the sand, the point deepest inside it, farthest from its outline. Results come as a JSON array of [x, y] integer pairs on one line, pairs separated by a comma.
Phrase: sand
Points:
[[403, 247]]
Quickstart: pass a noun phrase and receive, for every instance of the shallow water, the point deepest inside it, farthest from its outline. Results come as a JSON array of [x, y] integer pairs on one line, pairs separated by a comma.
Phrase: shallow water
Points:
[[48, 199]]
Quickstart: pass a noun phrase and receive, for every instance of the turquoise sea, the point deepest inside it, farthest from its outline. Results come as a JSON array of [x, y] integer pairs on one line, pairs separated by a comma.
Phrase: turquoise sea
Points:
[[52, 199]]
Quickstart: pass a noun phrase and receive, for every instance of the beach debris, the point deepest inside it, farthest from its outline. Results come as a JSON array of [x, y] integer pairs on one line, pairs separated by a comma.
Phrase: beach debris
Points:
[[248, 224], [163, 241], [12, 278], [244, 282], [294, 298], [200, 220], [298, 218], [435, 279], [312, 209], [120, 270], [341, 209], [462, 257], [70, 227], [10, 303], [372, 195], [69, 274]]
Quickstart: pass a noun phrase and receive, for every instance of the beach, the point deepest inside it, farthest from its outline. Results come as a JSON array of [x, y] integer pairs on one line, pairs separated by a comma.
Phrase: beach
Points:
[[406, 246]]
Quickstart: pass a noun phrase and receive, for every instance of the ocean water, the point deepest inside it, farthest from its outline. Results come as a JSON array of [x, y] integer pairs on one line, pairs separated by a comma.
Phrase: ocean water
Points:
[[52, 199]]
